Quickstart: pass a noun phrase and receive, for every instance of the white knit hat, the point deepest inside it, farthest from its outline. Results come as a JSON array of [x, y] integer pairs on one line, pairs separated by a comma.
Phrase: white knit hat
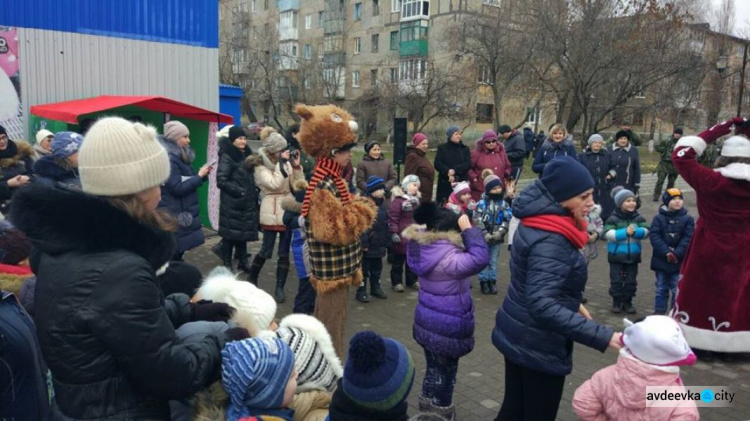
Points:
[[657, 340], [119, 158], [315, 359], [256, 309], [42, 134], [736, 146]]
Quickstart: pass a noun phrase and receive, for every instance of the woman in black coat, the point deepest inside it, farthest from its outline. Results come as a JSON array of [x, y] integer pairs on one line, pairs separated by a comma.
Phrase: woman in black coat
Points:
[[626, 161], [106, 331], [239, 210], [452, 162], [598, 161]]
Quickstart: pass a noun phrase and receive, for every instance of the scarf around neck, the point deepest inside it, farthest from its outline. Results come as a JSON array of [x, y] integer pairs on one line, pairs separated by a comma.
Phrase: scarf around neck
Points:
[[563, 225], [326, 167]]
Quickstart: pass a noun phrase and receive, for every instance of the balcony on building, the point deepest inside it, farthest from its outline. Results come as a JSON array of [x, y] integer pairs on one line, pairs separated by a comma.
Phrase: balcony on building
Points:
[[413, 38], [414, 10], [288, 24], [284, 5], [334, 16]]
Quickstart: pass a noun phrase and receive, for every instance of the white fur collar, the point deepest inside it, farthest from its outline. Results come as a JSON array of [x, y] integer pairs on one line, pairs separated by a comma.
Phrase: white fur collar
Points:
[[735, 171], [266, 160], [665, 368], [421, 236]]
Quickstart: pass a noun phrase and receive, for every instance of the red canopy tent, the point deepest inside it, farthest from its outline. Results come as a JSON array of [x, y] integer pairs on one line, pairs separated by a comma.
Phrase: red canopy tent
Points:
[[69, 111]]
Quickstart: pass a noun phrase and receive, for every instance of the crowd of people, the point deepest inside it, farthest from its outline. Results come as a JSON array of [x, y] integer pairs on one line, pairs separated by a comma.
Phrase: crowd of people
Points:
[[118, 326]]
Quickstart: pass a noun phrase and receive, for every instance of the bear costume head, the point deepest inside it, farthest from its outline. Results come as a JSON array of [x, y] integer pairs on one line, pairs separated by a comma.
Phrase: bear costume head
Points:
[[325, 129]]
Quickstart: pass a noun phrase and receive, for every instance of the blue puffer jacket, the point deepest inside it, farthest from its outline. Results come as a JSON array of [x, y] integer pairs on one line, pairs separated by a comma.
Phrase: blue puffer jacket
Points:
[[538, 321], [179, 196], [671, 231]]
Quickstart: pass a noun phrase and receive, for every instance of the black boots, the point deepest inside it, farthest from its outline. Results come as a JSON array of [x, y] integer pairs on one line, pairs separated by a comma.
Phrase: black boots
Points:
[[616, 306], [376, 291], [255, 268], [226, 254], [628, 307], [492, 287], [282, 270], [488, 287]]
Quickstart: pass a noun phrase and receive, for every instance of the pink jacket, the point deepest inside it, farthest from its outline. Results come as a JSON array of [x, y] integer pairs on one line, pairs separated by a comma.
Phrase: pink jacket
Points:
[[482, 159], [618, 392]]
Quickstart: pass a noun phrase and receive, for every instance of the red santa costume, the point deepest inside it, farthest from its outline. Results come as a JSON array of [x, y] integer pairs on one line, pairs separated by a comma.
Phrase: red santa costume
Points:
[[713, 298]]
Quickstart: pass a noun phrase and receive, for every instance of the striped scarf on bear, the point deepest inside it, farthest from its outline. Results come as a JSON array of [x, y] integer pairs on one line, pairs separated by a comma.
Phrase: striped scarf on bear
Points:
[[323, 168]]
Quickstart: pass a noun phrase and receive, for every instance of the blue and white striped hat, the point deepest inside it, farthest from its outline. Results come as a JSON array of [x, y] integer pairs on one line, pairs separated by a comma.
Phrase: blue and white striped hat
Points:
[[254, 373]]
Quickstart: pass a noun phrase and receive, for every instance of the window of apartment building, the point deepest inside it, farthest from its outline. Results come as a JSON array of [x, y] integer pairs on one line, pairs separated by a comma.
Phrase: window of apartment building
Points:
[[357, 45], [308, 21], [740, 51], [376, 7], [532, 116], [358, 11], [255, 32], [306, 82], [639, 117], [266, 30], [412, 8], [320, 19], [413, 31], [639, 92], [375, 40], [394, 75], [495, 3], [395, 6], [307, 52], [483, 75], [373, 77], [414, 69], [394, 40], [265, 4], [355, 79], [484, 113], [254, 5]]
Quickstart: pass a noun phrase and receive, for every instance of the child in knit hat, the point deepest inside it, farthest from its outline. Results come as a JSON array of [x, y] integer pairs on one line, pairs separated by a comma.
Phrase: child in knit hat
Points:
[[378, 376], [492, 216], [374, 242], [460, 201], [259, 377], [671, 231], [654, 349], [406, 198], [445, 254], [624, 230]]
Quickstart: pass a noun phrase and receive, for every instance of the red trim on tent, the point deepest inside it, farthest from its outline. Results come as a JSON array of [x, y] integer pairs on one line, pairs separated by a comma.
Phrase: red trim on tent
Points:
[[69, 111]]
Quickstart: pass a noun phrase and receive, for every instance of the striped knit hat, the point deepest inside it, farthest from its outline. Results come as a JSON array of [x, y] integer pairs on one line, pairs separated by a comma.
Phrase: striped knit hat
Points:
[[379, 372], [374, 183], [318, 367], [254, 373]]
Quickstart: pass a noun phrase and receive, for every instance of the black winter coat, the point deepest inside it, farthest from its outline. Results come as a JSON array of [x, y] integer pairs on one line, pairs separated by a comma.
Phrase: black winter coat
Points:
[[528, 138], [515, 147], [455, 156], [538, 321], [627, 164], [48, 172], [377, 239], [239, 209], [670, 231], [600, 165], [106, 331], [179, 196], [549, 151]]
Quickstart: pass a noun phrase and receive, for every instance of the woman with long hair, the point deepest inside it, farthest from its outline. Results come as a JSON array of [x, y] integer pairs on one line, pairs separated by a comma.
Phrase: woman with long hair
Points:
[[106, 330]]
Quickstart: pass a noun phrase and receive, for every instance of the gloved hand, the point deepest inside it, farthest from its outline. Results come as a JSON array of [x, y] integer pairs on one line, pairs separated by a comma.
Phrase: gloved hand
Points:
[[741, 126], [210, 311], [236, 334], [498, 237], [395, 239], [407, 206], [672, 258], [487, 237], [717, 131]]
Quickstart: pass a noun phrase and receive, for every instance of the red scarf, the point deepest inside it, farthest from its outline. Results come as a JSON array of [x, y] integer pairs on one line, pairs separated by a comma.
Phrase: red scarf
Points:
[[565, 225], [326, 167]]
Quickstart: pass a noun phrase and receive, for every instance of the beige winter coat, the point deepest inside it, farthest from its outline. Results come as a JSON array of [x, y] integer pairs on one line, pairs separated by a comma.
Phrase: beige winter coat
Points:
[[274, 187]]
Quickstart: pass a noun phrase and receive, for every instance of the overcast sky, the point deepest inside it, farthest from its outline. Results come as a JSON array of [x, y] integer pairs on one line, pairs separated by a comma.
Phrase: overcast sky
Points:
[[742, 19]]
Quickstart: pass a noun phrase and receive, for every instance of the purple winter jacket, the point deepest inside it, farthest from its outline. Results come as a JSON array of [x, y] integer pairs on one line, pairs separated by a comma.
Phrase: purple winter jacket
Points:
[[445, 262]]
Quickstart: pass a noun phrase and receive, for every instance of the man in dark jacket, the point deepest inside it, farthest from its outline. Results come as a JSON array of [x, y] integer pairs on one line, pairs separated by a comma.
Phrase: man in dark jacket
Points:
[[666, 170], [528, 137], [452, 162], [515, 147]]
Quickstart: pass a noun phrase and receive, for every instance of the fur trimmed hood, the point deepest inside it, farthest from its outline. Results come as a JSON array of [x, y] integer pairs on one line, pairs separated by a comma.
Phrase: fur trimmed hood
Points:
[[418, 234], [60, 220], [549, 144], [260, 158], [187, 155], [226, 147], [19, 150], [47, 167]]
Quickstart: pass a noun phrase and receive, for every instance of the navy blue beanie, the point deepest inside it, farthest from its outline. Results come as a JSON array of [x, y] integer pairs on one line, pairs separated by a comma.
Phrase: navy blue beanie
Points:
[[566, 178], [375, 183], [451, 130]]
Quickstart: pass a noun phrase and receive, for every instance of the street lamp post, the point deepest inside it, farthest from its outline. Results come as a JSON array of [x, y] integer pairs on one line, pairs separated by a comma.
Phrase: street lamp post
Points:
[[742, 82]]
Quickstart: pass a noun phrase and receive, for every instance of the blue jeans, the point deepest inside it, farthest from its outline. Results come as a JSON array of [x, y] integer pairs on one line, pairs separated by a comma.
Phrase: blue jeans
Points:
[[665, 283], [439, 379], [490, 272]]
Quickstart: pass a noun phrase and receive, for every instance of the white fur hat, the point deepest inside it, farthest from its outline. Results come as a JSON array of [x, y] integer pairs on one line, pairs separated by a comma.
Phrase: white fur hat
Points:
[[255, 308], [315, 359], [657, 340], [736, 146]]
